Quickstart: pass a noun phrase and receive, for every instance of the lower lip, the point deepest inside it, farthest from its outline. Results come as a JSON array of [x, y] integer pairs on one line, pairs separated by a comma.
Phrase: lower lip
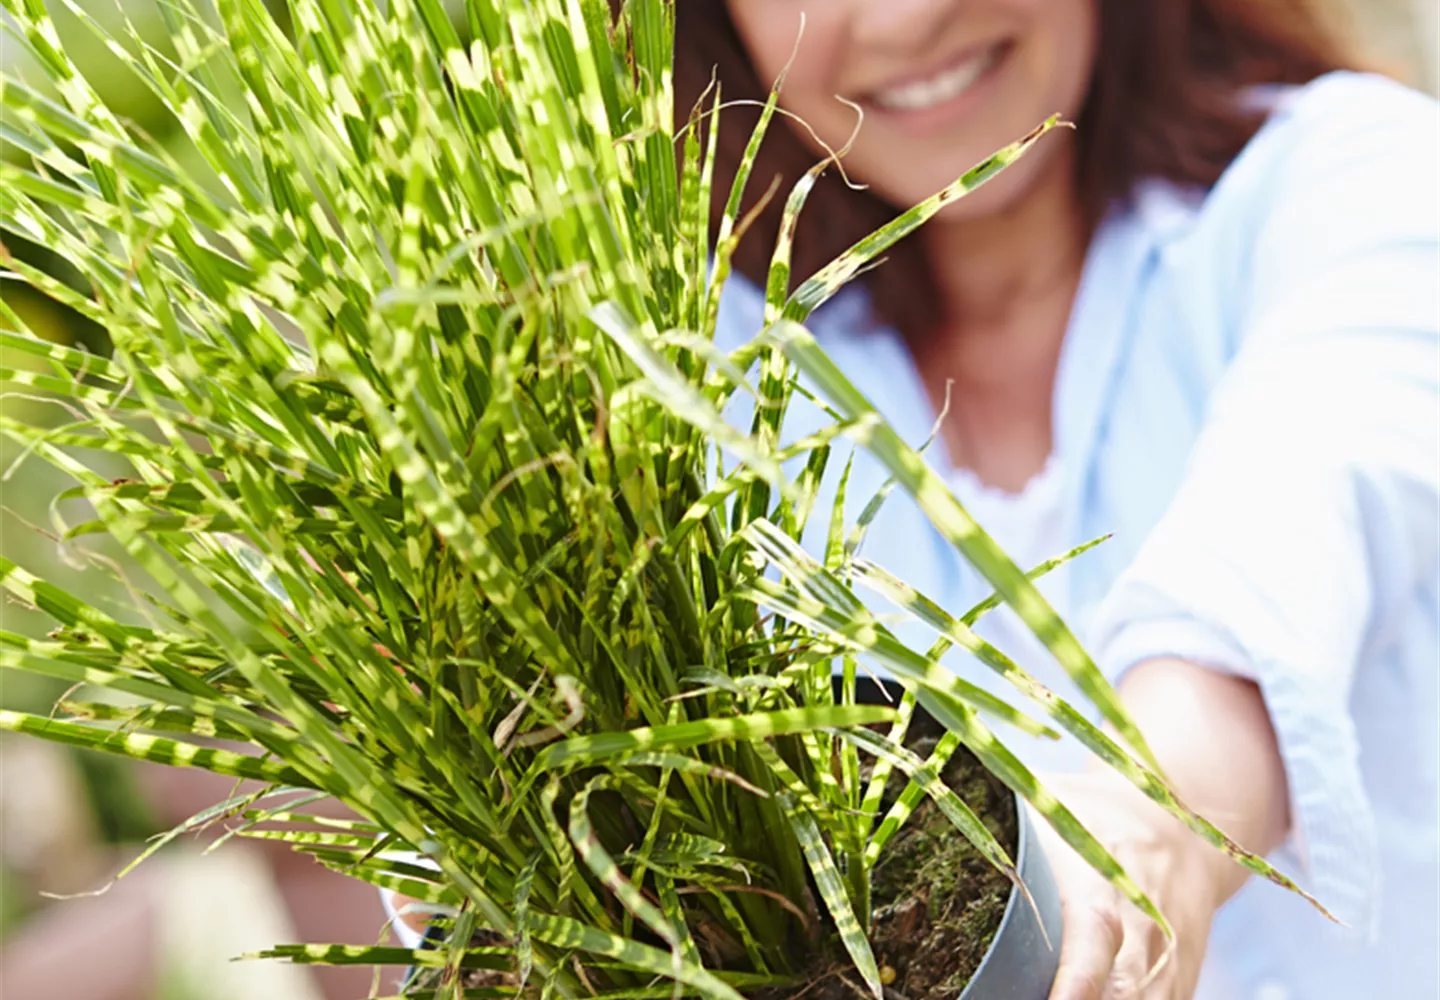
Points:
[[946, 112]]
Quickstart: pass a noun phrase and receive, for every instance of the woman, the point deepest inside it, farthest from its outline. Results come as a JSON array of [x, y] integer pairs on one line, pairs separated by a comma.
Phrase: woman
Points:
[[1206, 321]]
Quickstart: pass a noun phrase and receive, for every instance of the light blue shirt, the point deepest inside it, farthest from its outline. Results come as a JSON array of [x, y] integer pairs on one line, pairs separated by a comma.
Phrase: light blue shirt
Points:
[[1248, 397]]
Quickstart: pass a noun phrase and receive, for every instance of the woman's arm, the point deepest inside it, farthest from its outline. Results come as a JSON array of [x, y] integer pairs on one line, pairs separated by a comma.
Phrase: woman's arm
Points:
[[1212, 735], [1304, 529]]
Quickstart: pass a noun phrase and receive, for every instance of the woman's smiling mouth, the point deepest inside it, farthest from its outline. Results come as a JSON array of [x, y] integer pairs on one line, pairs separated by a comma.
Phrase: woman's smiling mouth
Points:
[[943, 87]]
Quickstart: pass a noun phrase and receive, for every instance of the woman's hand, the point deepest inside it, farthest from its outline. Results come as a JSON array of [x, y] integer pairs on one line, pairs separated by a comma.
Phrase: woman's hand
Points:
[[1111, 950], [1212, 735]]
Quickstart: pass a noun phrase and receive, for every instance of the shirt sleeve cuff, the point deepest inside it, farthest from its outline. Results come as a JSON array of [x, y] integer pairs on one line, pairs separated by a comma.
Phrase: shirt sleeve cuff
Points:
[[407, 935], [1332, 826]]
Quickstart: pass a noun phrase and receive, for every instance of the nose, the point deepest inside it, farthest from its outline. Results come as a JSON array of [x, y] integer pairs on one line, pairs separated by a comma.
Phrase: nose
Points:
[[906, 27]]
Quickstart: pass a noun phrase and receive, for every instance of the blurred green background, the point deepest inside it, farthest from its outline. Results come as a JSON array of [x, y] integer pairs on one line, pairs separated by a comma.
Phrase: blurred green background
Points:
[[69, 821]]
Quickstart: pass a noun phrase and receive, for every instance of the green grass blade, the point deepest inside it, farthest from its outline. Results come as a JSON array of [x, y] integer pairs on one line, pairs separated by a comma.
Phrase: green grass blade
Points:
[[591, 749], [826, 875], [156, 749], [961, 530]]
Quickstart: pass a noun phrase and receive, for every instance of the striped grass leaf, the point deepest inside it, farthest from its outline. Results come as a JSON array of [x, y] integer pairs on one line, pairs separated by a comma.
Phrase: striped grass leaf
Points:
[[524, 949], [881, 769], [51, 660], [414, 881], [340, 841], [684, 765], [349, 954], [593, 854], [674, 912], [876, 503], [720, 895], [774, 369], [823, 870], [67, 609], [956, 715], [565, 933], [909, 797], [148, 717], [821, 597], [591, 749], [251, 818], [960, 634], [1048, 566], [961, 530], [156, 749], [637, 858], [203, 818], [457, 949], [823, 285], [731, 226], [926, 774], [1070, 719], [287, 815], [672, 390], [687, 851], [740, 981]]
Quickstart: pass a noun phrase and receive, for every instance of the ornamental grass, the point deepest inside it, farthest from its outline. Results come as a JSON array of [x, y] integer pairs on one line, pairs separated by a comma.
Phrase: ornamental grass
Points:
[[430, 504]]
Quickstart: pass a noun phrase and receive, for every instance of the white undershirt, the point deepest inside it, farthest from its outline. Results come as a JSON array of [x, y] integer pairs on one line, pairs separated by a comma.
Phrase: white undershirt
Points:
[[1025, 524], [1029, 526]]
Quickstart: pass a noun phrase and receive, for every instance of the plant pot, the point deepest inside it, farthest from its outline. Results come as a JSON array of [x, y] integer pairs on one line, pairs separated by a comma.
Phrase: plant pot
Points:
[[1020, 964], [1022, 959]]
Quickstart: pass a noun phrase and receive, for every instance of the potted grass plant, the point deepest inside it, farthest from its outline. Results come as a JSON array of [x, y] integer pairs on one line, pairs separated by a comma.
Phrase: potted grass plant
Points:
[[413, 440]]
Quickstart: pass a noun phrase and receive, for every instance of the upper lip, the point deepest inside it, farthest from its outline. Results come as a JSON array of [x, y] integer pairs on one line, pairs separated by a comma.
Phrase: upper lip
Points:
[[948, 63]]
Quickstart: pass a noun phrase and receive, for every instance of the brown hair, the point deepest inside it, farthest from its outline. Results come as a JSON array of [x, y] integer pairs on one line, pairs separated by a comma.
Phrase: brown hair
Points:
[[1164, 102]]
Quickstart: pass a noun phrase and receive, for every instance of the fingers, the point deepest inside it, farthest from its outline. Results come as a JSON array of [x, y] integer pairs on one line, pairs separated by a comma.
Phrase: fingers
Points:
[[1093, 936], [1136, 974]]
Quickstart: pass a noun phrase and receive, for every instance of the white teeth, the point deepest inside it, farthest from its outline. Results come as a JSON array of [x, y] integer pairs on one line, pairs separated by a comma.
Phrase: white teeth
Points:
[[938, 89]]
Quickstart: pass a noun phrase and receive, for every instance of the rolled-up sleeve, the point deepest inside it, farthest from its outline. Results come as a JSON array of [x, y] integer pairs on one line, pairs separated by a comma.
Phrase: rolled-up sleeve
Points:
[[1307, 518]]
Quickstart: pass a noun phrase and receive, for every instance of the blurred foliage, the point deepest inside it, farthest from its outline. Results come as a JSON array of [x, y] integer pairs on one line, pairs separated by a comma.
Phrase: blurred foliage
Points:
[[119, 809], [122, 815], [13, 906]]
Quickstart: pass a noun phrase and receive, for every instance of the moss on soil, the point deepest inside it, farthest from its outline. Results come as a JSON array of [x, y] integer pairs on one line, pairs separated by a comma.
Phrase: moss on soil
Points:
[[937, 901]]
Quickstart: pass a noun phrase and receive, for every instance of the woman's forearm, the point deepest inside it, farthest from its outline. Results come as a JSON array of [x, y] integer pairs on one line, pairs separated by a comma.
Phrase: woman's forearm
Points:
[[1212, 734]]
